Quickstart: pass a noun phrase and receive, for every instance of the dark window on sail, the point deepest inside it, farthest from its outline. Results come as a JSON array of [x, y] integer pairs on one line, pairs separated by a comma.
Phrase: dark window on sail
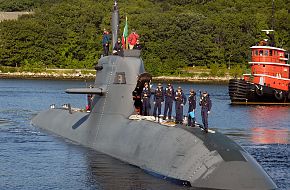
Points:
[[120, 78]]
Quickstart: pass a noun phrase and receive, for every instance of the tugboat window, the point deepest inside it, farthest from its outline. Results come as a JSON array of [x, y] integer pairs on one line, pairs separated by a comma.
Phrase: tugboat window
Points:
[[261, 52], [266, 52], [256, 52], [271, 52], [120, 78]]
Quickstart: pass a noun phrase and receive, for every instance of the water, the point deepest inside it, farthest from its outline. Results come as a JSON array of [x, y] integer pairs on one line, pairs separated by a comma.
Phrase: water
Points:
[[34, 159]]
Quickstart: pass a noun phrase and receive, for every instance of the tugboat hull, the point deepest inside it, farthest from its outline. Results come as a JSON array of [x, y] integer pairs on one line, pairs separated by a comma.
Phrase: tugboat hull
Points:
[[245, 92]]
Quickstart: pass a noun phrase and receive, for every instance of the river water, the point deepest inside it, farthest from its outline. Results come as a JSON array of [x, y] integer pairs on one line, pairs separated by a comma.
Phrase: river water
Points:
[[31, 158]]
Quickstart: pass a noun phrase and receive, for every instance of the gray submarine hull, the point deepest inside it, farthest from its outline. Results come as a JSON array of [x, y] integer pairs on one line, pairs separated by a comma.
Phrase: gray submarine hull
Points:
[[198, 159]]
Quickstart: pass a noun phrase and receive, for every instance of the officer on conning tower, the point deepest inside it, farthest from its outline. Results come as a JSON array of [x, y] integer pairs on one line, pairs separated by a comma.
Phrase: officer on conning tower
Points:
[[205, 104], [191, 108], [169, 97], [145, 96], [180, 100], [158, 100]]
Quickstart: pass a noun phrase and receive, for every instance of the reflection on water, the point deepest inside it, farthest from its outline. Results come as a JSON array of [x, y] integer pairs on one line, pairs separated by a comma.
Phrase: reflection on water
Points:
[[269, 114], [270, 136], [268, 123]]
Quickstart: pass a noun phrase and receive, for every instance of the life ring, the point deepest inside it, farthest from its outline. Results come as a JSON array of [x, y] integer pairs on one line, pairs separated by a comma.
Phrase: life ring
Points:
[[259, 90], [278, 94]]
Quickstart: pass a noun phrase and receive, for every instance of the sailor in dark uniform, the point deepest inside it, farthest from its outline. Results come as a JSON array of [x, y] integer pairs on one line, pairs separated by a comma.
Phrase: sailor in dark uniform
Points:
[[205, 104], [137, 100], [191, 108], [145, 96], [158, 100], [180, 100], [169, 97]]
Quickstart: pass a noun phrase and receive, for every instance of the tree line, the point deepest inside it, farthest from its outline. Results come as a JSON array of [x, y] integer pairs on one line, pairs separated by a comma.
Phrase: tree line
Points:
[[174, 33]]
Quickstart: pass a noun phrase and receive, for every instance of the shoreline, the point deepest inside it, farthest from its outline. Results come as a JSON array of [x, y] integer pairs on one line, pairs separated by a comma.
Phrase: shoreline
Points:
[[91, 77]]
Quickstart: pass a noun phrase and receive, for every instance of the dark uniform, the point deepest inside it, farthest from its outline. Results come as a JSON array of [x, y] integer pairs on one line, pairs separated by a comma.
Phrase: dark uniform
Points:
[[158, 100], [137, 45], [145, 96], [169, 97], [118, 48], [205, 104], [106, 43], [180, 100], [191, 107], [137, 100]]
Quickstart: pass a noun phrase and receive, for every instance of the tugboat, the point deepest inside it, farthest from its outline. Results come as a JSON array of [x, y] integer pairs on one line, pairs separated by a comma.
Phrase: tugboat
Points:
[[269, 80]]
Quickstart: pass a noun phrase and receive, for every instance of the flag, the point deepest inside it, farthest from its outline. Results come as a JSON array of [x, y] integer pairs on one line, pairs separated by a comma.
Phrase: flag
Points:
[[125, 35]]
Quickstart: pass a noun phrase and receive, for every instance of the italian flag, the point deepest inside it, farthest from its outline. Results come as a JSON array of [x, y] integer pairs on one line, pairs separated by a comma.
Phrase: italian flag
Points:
[[125, 35]]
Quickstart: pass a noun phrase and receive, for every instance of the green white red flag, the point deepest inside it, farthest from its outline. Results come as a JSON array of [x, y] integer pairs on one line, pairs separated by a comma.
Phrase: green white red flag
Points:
[[125, 35]]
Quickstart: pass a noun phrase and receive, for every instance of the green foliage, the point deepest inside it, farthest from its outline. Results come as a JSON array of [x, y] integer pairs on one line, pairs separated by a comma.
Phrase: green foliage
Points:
[[18, 5], [174, 33]]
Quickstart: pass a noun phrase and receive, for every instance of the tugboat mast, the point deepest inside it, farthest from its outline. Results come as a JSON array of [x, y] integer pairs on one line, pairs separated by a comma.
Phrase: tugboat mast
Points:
[[273, 19]]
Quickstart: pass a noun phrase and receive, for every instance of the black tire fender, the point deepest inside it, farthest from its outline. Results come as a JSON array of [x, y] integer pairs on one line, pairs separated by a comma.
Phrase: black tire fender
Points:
[[278, 94], [259, 90]]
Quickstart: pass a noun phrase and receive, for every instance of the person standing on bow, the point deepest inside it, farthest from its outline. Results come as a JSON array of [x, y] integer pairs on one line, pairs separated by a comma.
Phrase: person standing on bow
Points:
[[205, 104], [145, 96], [180, 101], [169, 97], [158, 100], [191, 108]]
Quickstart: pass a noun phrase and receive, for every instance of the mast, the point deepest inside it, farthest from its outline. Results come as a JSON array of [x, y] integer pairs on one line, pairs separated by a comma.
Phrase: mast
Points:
[[115, 23], [273, 19]]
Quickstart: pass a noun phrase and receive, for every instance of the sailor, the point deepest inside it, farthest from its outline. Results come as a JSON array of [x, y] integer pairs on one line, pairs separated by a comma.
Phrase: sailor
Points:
[[180, 100], [137, 100], [169, 97], [158, 100], [145, 97], [106, 42], [132, 39], [90, 99], [205, 104], [118, 47], [137, 45], [191, 108]]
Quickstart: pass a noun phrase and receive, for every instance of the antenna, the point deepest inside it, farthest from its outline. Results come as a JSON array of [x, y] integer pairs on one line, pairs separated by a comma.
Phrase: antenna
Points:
[[273, 19]]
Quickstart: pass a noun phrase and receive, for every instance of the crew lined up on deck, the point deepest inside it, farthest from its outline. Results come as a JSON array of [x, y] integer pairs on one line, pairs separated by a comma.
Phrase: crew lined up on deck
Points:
[[168, 96]]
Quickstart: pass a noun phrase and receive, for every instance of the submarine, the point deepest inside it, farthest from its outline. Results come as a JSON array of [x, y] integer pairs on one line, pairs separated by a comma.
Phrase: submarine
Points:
[[184, 155]]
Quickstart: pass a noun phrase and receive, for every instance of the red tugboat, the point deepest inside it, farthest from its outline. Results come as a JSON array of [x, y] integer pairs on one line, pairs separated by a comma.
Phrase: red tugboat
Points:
[[269, 80]]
